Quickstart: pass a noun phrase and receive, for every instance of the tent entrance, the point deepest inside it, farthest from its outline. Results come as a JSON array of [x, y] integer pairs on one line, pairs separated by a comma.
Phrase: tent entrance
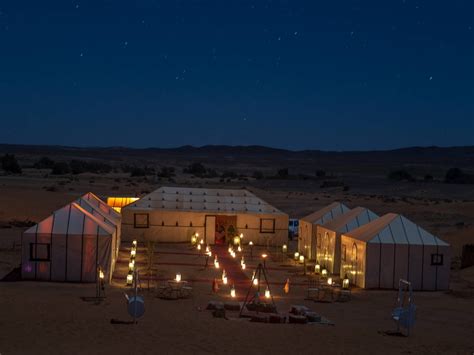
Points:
[[225, 229]]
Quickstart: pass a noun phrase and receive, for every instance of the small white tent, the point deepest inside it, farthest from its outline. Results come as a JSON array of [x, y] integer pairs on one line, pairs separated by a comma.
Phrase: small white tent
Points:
[[69, 245], [307, 239], [329, 245], [392, 247]]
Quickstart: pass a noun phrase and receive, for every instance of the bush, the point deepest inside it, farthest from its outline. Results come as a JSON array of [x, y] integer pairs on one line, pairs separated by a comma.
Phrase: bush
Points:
[[199, 170], [229, 175], [320, 173], [44, 163], [166, 172], [10, 164], [136, 171], [60, 168], [81, 166], [258, 175], [457, 176], [283, 173], [400, 175]]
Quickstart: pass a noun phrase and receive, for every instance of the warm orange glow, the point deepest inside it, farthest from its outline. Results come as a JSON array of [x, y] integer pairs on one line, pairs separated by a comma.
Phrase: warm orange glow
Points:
[[118, 202]]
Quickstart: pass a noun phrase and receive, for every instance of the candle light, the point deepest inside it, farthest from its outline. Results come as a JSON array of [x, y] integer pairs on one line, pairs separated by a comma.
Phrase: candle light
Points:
[[284, 248], [250, 243], [193, 239], [329, 280], [324, 272], [133, 253], [232, 291], [317, 267], [199, 247], [239, 249], [131, 265], [297, 255], [101, 274], [178, 277], [267, 293], [129, 278], [134, 243], [345, 283], [301, 259]]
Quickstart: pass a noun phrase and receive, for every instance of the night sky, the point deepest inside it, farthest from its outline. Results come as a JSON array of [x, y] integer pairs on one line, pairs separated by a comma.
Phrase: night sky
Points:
[[332, 75]]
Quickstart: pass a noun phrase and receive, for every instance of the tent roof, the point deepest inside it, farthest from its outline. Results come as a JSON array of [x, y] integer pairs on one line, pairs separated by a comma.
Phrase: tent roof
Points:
[[394, 228], [72, 219], [198, 199], [327, 213], [97, 212], [350, 220], [97, 203]]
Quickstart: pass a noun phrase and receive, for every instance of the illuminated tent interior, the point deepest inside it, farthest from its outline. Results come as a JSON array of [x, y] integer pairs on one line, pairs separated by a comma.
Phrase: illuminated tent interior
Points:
[[329, 245], [307, 239], [100, 205], [379, 253], [70, 245], [117, 203], [174, 214]]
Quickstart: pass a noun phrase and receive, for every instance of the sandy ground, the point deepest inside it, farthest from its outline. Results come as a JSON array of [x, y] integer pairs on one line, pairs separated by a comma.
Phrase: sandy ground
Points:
[[42, 318]]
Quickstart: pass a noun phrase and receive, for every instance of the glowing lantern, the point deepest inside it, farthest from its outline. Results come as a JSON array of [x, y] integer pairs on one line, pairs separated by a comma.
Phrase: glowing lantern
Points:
[[317, 268], [239, 249], [232, 291], [284, 248], [216, 263], [345, 283], [101, 274], [201, 241], [267, 293], [243, 266], [329, 280], [229, 249], [236, 240], [131, 265], [251, 243], [134, 243], [297, 255], [129, 278], [324, 272], [241, 235], [178, 277], [301, 259], [193, 239], [208, 249], [199, 247], [133, 253]]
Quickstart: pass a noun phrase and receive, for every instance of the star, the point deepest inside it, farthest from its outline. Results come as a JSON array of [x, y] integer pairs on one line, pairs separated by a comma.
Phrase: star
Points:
[[431, 78], [77, 6], [296, 33], [81, 55]]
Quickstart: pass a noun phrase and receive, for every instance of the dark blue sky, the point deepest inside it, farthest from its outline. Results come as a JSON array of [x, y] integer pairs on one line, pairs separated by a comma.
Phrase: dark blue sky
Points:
[[292, 74]]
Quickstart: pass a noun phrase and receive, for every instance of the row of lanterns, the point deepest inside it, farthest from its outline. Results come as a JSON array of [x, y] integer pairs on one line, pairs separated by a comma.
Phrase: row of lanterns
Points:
[[131, 263]]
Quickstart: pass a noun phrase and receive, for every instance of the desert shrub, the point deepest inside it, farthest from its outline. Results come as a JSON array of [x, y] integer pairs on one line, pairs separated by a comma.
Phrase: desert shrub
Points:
[[258, 175], [400, 175], [136, 171], [60, 168], [283, 173], [457, 176], [10, 164], [82, 166], [320, 173], [199, 170], [229, 175], [166, 172], [44, 163], [332, 183]]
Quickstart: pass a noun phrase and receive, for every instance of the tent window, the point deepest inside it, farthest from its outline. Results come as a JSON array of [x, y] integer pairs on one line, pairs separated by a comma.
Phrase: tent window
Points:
[[267, 225], [40, 252], [141, 220], [437, 259]]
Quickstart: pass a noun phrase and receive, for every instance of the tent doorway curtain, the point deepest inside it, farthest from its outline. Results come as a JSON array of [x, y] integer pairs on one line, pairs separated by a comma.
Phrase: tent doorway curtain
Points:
[[225, 229]]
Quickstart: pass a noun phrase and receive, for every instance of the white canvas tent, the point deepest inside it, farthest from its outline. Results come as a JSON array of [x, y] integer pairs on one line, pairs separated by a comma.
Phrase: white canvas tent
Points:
[[100, 205], [307, 239], [69, 245], [174, 214], [97, 211], [329, 245], [392, 247]]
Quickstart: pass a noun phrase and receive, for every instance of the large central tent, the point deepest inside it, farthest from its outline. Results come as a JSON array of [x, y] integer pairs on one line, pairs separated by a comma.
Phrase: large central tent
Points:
[[174, 214]]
